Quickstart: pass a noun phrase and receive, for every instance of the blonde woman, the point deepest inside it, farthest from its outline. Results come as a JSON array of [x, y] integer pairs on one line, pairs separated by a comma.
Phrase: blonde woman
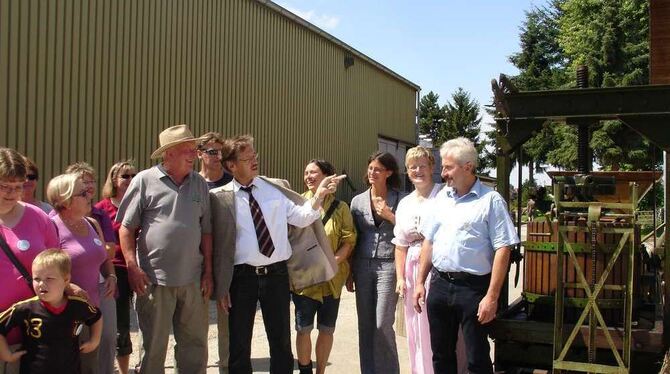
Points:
[[118, 180], [80, 237], [407, 239]]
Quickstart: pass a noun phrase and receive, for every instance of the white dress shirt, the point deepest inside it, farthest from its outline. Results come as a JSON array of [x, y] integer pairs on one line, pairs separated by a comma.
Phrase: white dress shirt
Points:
[[278, 212]]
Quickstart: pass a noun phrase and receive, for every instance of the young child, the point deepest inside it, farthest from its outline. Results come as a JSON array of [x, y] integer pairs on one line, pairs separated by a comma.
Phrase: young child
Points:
[[50, 322]]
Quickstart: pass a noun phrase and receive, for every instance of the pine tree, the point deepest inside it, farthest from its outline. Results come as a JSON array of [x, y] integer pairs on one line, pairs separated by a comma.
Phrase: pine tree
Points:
[[461, 118], [431, 116]]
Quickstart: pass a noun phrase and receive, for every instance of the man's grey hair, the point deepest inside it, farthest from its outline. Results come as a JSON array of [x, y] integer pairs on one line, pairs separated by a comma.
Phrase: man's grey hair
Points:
[[462, 149]]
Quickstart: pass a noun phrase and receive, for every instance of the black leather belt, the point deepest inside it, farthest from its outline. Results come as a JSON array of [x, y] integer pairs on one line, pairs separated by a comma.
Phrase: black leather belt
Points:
[[462, 276], [262, 270]]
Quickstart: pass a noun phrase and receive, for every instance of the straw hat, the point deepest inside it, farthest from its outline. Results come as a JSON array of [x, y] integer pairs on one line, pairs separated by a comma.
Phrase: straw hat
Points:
[[172, 136]]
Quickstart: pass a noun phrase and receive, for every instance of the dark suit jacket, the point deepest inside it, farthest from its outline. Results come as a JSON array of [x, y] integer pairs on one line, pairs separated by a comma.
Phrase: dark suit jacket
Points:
[[311, 262]]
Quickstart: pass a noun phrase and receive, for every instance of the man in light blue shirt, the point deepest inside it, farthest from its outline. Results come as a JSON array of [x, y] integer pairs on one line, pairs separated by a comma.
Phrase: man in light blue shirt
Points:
[[467, 244]]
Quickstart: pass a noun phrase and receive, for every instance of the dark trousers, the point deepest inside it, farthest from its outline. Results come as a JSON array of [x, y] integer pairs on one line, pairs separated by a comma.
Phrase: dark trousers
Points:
[[124, 346], [452, 302], [272, 290]]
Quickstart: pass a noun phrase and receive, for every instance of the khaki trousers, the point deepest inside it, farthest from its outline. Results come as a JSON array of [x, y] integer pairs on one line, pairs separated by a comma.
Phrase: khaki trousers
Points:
[[185, 310], [224, 339]]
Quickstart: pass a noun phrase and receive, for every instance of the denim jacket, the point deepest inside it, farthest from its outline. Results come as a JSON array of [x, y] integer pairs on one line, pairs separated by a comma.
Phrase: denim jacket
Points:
[[373, 241]]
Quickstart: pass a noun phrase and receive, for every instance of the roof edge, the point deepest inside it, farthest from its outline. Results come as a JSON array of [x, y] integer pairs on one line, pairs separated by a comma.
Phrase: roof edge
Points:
[[294, 17]]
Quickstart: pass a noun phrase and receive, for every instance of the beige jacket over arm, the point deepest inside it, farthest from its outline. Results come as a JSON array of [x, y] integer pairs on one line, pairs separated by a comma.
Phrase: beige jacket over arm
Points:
[[311, 262]]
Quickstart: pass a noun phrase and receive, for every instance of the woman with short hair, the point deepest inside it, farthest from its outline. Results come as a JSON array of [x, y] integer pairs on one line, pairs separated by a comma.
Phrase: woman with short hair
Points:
[[26, 231], [80, 237], [411, 212]]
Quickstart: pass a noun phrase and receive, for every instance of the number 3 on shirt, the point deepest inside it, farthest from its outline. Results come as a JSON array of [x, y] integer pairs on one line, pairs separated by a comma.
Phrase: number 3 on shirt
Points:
[[33, 328]]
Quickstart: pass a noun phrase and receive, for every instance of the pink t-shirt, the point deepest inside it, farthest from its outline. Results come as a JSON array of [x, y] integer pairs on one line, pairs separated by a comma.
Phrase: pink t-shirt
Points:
[[111, 210], [34, 233], [87, 254]]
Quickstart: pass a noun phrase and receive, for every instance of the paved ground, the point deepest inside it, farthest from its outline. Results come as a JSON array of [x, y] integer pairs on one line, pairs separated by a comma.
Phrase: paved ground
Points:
[[344, 357]]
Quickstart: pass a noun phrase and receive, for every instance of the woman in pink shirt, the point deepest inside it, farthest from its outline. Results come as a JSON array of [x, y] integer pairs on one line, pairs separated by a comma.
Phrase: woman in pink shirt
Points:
[[80, 238], [26, 230]]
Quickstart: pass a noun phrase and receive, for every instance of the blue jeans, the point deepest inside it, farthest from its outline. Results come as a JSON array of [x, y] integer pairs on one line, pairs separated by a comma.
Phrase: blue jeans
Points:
[[272, 290], [452, 302], [376, 301]]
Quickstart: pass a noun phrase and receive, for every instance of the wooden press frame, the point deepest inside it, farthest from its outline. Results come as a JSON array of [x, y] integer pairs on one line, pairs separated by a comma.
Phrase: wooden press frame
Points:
[[595, 212]]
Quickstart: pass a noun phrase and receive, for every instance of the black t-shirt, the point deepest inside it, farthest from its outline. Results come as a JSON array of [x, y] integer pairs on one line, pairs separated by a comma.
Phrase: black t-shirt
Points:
[[223, 181], [51, 340]]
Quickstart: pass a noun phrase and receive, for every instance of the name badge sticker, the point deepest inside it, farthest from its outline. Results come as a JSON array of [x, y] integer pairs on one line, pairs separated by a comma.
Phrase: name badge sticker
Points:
[[23, 245]]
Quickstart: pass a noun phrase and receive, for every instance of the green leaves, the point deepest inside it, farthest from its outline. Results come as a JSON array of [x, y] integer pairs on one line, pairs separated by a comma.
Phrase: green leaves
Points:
[[611, 38], [458, 117]]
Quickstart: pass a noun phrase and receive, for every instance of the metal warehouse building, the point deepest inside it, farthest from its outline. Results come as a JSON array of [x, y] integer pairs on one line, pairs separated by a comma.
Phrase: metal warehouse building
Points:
[[97, 80]]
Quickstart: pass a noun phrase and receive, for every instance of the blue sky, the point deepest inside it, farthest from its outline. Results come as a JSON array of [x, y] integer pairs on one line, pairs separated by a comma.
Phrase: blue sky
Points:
[[438, 44]]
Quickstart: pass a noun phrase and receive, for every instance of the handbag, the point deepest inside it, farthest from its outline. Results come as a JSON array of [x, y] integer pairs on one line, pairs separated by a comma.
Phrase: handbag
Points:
[[17, 264]]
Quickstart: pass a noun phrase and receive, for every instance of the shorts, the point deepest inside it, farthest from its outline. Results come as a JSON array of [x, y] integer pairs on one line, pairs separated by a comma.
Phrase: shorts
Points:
[[306, 309]]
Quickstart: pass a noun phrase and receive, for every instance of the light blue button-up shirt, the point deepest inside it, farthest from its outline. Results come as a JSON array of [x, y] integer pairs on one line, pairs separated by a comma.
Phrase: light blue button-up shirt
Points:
[[467, 230]]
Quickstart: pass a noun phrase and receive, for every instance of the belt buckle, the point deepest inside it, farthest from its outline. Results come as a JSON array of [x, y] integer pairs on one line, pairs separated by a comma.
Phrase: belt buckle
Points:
[[261, 270]]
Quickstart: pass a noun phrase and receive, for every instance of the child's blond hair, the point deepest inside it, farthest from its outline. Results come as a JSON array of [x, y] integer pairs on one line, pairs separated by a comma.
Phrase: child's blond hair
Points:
[[56, 258]]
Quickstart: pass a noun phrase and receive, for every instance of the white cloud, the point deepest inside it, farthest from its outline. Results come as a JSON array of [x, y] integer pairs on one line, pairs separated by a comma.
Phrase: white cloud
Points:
[[324, 21]]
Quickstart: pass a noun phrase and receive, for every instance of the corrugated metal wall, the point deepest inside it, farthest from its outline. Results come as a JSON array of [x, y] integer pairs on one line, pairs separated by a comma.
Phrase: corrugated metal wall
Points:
[[97, 80]]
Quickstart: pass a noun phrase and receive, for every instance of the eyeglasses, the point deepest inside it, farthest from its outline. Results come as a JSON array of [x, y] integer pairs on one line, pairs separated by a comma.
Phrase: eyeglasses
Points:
[[82, 193], [212, 152], [254, 157], [31, 177], [89, 182], [127, 176], [7, 189]]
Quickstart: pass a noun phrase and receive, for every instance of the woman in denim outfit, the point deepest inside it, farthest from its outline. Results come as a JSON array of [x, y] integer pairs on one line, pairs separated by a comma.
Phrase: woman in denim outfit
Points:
[[373, 267]]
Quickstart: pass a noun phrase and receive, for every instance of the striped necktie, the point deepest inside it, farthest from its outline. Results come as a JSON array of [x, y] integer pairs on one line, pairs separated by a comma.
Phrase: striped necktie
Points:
[[265, 244]]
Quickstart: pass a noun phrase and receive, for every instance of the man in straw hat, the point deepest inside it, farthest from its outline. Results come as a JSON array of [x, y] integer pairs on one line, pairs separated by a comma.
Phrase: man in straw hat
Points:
[[170, 260]]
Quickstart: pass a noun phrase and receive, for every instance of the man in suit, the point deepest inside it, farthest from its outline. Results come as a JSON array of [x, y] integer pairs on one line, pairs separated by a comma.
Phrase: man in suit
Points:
[[256, 258]]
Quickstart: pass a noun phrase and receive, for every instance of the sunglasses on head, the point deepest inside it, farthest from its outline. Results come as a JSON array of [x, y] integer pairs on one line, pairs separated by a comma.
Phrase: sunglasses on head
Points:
[[212, 152], [31, 177], [127, 176]]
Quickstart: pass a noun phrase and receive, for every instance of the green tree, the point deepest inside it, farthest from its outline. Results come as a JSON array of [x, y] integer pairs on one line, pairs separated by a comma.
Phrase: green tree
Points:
[[431, 115], [541, 67], [611, 38], [564, 155], [541, 62], [461, 118]]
